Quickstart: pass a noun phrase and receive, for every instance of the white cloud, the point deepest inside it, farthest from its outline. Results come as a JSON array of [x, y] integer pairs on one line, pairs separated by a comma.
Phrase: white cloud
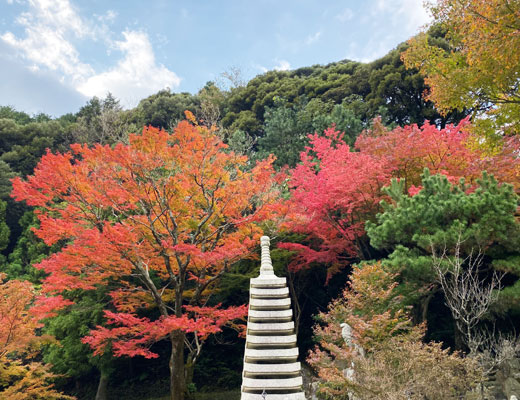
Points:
[[345, 15], [283, 65], [53, 28], [392, 21], [410, 12], [46, 27], [417, 13], [261, 68], [56, 14], [313, 38], [136, 75], [46, 47], [161, 40], [109, 16]]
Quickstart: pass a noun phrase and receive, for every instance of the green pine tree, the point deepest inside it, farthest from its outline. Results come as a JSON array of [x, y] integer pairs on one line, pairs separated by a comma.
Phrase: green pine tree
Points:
[[442, 214]]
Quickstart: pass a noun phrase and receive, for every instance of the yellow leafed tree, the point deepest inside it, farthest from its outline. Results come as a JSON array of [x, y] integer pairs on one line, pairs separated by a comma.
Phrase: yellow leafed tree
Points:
[[480, 69]]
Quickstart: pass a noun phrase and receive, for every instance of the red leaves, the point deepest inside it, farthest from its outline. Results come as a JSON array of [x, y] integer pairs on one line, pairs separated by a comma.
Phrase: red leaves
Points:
[[134, 336], [158, 219], [46, 307], [211, 319], [334, 190], [450, 151]]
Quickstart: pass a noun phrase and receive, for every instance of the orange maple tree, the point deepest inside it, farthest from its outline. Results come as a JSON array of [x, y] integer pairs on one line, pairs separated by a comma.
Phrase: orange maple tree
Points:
[[163, 217], [21, 376], [16, 323]]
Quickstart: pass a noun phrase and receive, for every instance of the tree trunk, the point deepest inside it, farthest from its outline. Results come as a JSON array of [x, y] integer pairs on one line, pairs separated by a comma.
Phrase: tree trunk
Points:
[[101, 393], [420, 312], [176, 364], [458, 337], [189, 369], [295, 302], [426, 305]]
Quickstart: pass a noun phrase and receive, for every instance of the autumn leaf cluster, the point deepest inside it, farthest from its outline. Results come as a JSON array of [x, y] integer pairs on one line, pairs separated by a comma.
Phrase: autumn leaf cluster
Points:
[[387, 354]]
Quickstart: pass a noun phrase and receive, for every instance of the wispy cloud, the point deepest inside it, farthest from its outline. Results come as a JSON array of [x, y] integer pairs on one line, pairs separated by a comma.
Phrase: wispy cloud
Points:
[[109, 16], [402, 18], [47, 26], [52, 29], [411, 13], [311, 39], [283, 65], [345, 15], [260, 67]]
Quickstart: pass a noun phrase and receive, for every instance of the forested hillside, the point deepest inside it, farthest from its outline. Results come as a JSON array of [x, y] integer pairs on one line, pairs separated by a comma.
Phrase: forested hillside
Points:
[[389, 189]]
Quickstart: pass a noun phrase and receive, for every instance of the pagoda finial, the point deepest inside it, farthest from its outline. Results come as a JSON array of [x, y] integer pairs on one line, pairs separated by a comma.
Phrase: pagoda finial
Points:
[[266, 266]]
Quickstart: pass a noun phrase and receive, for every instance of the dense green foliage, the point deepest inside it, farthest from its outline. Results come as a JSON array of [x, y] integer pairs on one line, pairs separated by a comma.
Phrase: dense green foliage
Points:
[[286, 127], [384, 86], [164, 109], [4, 229], [28, 251], [445, 217]]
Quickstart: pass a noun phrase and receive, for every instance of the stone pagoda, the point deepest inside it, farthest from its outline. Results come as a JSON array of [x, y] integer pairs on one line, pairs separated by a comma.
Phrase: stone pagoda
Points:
[[271, 371]]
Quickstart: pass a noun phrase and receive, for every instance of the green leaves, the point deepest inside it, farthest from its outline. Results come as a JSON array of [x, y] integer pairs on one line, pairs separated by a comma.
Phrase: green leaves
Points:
[[440, 215], [287, 127], [440, 212], [4, 229]]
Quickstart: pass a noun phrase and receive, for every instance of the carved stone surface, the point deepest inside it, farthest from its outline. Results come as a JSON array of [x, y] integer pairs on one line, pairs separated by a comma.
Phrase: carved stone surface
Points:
[[271, 352], [285, 396], [505, 382], [272, 315], [272, 340], [346, 332], [310, 382], [348, 337]]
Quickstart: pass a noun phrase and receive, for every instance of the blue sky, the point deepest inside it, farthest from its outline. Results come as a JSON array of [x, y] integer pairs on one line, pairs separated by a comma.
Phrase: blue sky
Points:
[[56, 54]]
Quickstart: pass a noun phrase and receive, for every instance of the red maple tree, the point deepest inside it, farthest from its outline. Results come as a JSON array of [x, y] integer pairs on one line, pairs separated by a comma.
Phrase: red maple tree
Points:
[[162, 217], [335, 190], [452, 151]]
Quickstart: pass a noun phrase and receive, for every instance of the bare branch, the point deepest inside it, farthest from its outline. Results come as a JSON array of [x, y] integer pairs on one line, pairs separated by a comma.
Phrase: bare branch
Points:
[[469, 297]]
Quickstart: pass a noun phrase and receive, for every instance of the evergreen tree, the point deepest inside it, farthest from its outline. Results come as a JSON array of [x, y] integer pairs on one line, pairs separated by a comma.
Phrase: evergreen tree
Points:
[[440, 216], [4, 229]]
